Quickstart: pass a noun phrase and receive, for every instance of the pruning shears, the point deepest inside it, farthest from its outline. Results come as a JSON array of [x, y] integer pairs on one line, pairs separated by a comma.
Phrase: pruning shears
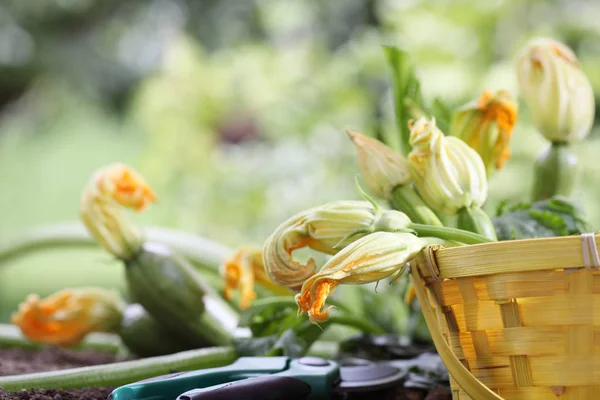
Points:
[[265, 378]]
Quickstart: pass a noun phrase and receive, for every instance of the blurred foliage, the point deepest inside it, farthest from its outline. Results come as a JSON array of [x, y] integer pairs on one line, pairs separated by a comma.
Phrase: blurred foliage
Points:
[[235, 111]]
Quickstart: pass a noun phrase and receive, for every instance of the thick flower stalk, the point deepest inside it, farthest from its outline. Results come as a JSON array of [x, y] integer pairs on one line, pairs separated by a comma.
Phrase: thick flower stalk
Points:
[[387, 174], [486, 125], [66, 317], [110, 189], [333, 226], [561, 101], [449, 176], [242, 271], [369, 259]]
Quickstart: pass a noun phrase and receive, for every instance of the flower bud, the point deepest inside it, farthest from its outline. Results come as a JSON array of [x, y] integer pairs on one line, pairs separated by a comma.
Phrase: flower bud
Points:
[[328, 229], [448, 174], [369, 259], [66, 317], [241, 271], [111, 188], [556, 90], [486, 125], [382, 168]]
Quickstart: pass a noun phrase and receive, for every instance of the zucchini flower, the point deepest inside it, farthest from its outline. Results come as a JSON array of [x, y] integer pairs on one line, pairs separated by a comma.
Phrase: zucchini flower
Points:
[[110, 188], [387, 174], [242, 270], [66, 317], [369, 259], [562, 104], [333, 226], [382, 168], [556, 90], [486, 125], [450, 176], [327, 229]]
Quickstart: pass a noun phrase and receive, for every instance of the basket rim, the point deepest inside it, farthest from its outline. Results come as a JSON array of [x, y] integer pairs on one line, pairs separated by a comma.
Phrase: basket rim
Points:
[[508, 256]]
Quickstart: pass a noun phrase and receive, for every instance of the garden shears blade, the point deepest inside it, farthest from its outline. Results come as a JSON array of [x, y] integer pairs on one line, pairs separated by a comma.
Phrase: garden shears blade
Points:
[[264, 378]]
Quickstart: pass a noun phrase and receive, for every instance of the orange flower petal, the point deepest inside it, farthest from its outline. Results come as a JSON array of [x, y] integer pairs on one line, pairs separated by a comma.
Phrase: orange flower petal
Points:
[[318, 295], [66, 317]]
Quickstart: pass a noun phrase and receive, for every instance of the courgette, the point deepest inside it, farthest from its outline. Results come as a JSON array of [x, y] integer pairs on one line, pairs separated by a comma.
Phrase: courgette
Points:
[[174, 294], [145, 336]]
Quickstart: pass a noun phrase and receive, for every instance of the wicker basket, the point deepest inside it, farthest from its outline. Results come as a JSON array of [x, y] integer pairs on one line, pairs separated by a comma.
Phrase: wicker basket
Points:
[[515, 319]]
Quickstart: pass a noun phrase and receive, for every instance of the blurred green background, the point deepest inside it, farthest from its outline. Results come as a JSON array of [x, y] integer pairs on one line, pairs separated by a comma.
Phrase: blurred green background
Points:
[[235, 111]]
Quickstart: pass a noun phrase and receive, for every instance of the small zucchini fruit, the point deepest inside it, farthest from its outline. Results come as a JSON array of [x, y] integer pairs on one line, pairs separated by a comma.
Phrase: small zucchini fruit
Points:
[[173, 292], [145, 337]]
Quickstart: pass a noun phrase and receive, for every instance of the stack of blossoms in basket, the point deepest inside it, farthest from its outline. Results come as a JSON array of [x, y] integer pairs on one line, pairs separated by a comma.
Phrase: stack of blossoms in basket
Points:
[[435, 184]]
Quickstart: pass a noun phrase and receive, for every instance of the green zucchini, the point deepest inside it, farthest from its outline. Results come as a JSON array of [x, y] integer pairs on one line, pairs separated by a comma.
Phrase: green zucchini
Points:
[[174, 294], [144, 336]]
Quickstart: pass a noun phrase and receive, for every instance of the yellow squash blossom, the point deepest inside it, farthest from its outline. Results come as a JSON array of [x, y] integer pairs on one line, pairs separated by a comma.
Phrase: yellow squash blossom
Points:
[[66, 317], [242, 270], [449, 175], [327, 229], [557, 92], [369, 259], [110, 188], [487, 125], [382, 168]]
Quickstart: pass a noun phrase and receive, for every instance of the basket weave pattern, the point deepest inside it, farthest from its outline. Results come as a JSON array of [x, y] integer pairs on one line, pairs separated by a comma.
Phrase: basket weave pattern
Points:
[[523, 317]]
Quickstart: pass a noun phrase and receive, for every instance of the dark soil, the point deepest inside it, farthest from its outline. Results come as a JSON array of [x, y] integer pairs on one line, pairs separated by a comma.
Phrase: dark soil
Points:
[[19, 361], [58, 394]]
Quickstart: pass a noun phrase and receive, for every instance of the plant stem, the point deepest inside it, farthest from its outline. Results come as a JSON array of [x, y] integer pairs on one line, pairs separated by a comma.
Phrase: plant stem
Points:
[[449, 234], [358, 323], [406, 199], [122, 373], [205, 254], [474, 219], [11, 336], [556, 172]]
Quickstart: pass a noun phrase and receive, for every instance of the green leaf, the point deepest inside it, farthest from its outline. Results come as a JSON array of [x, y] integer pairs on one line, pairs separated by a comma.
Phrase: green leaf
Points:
[[407, 93], [385, 307], [442, 114], [271, 316], [557, 216], [277, 330]]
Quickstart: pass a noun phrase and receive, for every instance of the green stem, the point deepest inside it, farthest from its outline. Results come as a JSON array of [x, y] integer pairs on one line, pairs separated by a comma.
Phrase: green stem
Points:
[[205, 254], [555, 173], [358, 323], [406, 199], [122, 373], [476, 220], [11, 336], [450, 234]]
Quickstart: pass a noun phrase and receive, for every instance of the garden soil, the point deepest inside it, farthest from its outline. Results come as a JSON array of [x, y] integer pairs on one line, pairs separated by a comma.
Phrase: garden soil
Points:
[[19, 361]]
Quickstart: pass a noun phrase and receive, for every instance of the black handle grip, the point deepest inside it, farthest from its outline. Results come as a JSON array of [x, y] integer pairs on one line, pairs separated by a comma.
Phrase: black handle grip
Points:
[[269, 387]]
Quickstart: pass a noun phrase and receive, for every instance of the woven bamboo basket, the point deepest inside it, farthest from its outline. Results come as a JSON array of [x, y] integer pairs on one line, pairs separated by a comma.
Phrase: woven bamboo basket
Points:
[[515, 319]]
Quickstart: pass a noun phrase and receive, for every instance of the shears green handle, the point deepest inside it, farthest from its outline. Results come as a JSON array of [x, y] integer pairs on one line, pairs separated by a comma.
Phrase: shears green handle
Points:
[[321, 375]]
